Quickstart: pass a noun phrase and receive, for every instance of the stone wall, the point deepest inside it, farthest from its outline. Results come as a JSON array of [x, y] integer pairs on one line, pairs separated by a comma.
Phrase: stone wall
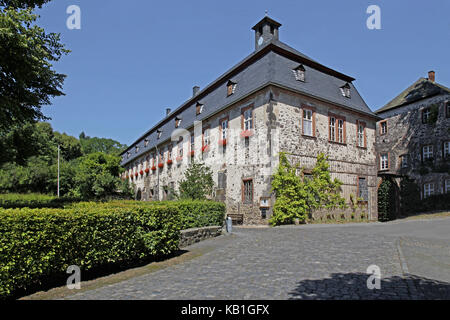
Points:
[[193, 235], [406, 135]]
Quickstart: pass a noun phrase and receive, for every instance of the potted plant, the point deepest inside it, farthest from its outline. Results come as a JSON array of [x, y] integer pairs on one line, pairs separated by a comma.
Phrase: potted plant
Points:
[[154, 168], [160, 165], [169, 162], [147, 170], [246, 133], [141, 172]]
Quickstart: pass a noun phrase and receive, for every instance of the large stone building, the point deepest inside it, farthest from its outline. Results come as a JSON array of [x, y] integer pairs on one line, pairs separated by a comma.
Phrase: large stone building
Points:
[[413, 139], [276, 99]]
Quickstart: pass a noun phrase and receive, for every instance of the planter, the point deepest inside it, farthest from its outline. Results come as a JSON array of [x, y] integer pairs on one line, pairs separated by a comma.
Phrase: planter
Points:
[[246, 133], [147, 170], [136, 174], [153, 168], [223, 142], [191, 153], [169, 162], [141, 172], [160, 165], [205, 148]]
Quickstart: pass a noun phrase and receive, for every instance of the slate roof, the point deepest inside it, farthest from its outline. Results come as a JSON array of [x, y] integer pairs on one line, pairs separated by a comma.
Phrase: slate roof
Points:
[[271, 64], [421, 89]]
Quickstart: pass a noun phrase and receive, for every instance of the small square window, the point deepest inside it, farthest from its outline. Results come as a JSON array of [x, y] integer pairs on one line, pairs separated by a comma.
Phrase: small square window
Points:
[[427, 152], [199, 108], [231, 87], [383, 127], [428, 189], [345, 90], [299, 73], [384, 161], [446, 149]]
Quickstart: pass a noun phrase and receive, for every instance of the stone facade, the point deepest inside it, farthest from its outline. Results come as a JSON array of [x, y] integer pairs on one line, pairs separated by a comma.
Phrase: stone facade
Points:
[[406, 136]]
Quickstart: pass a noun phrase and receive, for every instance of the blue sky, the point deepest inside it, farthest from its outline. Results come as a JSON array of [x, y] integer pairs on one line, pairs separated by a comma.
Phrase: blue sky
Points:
[[132, 59]]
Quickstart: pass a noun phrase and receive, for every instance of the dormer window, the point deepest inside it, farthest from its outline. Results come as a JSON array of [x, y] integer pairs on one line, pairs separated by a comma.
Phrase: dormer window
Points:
[[231, 87], [146, 142], [128, 154], [345, 90], [199, 108], [299, 73], [177, 122], [158, 133]]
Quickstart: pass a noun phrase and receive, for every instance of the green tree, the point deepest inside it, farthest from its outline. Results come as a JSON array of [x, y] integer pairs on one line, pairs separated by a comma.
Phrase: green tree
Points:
[[296, 198], [386, 200], [198, 182], [94, 144], [97, 176], [27, 77], [70, 146]]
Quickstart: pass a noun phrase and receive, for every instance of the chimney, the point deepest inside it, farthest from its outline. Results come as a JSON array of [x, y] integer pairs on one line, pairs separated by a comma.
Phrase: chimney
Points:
[[431, 76], [195, 90], [167, 111]]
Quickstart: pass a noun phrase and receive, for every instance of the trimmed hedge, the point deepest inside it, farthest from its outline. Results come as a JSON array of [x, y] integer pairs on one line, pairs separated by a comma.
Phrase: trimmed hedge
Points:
[[33, 200], [193, 213], [39, 244]]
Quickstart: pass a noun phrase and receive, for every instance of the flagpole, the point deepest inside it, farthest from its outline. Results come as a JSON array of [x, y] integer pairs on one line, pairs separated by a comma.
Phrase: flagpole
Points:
[[58, 173]]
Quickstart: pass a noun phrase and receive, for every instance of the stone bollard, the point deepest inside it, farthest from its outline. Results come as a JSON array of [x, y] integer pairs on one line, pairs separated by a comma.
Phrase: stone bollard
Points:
[[229, 224]]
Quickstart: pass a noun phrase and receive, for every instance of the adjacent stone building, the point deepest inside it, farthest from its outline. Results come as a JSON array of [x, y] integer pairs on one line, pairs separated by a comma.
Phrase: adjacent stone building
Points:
[[413, 139], [276, 99]]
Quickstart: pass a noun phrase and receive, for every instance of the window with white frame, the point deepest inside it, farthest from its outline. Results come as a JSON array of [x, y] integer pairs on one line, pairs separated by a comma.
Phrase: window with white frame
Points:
[[404, 161], [428, 189], [332, 128], [383, 127], [340, 131], [180, 148], [447, 186], [206, 137], [427, 152], [224, 128], [345, 90], [192, 143], [426, 113], [307, 122], [384, 161], [363, 192], [361, 135], [299, 73], [446, 149], [248, 120]]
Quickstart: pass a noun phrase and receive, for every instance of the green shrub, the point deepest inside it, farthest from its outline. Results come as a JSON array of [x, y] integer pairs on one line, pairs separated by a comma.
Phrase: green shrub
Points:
[[386, 200], [39, 244], [33, 200]]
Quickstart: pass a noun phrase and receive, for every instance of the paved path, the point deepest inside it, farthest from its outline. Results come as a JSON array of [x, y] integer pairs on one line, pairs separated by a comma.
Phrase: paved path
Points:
[[305, 262]]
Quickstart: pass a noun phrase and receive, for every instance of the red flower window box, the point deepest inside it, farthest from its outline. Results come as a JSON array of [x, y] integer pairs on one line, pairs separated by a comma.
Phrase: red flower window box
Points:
[[153, 168], [222, 142], [160, 165], [191, 153], [147, 170], [205, 148], [141, 172], [246, 133], [169, 162], [136, 174]]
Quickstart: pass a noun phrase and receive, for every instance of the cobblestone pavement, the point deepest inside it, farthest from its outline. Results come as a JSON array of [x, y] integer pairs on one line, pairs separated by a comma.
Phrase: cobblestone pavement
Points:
[[300, 262]]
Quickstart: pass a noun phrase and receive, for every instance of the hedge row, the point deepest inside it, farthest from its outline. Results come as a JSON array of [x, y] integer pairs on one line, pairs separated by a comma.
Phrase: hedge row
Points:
[[33, 200], [193, 213], [38, 244]]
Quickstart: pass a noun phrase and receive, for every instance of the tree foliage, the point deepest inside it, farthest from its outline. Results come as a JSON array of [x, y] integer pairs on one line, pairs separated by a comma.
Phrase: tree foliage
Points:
[[30, 164], [297, 197], [386, 200], [94, 144], [198, 182], [27, 77]]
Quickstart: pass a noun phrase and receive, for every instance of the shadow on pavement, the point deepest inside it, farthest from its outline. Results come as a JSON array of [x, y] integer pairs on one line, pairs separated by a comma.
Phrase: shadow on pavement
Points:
[[353, 286]]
